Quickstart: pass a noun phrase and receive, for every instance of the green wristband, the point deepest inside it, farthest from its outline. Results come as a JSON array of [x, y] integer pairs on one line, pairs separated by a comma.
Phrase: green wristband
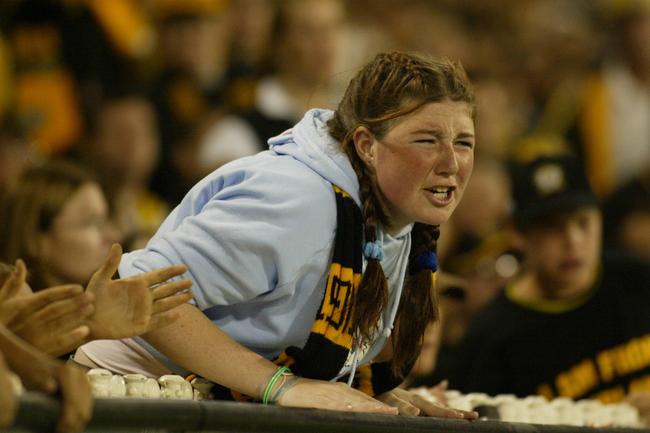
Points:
[[269, 386], [283, 388]]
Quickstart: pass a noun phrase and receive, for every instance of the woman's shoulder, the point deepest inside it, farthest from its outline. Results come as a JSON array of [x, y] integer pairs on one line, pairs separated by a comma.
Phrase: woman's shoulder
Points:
[[265, 175]]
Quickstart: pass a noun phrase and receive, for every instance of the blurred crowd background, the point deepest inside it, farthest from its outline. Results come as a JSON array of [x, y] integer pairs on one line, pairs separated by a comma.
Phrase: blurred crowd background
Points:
[[148, 96]]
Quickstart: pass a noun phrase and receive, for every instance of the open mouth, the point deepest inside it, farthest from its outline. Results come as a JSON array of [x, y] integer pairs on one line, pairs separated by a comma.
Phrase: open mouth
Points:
[[441, 194]]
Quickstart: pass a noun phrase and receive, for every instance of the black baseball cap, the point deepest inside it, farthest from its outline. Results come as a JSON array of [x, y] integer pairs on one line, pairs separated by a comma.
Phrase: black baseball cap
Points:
[[547, 185]]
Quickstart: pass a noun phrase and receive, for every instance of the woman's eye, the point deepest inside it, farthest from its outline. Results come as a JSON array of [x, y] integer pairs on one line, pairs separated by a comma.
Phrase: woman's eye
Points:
[[465, 144]]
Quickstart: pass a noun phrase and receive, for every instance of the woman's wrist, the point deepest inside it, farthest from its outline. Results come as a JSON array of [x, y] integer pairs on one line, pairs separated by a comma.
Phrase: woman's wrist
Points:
[[290, 381], [275, 383]]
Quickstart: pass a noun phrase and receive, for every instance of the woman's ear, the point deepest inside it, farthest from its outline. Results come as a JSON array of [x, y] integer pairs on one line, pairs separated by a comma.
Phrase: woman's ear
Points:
[[365, 145]]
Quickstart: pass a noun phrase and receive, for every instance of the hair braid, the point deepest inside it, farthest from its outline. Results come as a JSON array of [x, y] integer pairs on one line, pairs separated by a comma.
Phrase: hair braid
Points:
[[372, 294], [418, 300]]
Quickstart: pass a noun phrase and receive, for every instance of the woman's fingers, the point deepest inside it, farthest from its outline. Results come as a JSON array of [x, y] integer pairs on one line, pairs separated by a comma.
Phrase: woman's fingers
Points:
[[59, 327], [8, 403], [171, 302], [66, 313], [429, 408], [403, 406], [109, 267], [65, 342], [14, 283], [170, 288], [410, 403], [438, 391], [161, 275], [77, 399], [30, 304]]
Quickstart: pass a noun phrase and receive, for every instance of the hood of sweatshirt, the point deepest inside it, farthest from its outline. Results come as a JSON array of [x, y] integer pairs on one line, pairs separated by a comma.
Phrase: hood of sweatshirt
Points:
[[310, 143]]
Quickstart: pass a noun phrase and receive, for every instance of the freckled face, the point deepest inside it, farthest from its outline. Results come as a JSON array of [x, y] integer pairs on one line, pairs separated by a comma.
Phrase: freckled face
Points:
[[424, 162]]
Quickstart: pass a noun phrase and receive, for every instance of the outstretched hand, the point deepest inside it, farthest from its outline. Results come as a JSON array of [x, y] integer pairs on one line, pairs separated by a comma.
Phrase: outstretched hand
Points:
[[136, 305], [51, 320]]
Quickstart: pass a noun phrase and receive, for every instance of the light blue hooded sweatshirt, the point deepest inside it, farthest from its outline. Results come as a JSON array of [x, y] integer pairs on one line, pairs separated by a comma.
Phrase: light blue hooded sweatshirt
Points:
[[257, 236]]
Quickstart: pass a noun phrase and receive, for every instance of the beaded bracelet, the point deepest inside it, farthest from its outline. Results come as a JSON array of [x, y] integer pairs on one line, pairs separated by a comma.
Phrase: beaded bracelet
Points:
[[266, 397]]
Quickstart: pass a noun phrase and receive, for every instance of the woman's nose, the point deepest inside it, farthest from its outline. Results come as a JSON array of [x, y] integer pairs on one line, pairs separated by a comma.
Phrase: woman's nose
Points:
[[447, 162]]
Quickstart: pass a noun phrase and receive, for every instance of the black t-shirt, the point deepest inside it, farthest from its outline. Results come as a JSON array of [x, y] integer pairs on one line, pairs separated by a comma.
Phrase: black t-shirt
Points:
[[597, 348]]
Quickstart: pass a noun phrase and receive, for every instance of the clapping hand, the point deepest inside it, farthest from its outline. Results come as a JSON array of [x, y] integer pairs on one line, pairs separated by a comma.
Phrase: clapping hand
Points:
[[52, 320], [136, 305]]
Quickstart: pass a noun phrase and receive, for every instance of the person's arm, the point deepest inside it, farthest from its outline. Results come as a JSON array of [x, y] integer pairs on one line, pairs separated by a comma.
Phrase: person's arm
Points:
[[198, 345], [8, 403], [52, 320], [43, 373]]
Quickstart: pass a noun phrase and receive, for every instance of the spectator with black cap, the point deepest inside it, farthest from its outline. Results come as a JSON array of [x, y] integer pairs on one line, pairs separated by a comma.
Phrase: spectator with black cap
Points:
[[572, 323]]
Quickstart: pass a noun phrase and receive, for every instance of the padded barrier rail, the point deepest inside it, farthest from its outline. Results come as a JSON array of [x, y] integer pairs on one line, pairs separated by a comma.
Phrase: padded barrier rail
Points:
[[38, 413]]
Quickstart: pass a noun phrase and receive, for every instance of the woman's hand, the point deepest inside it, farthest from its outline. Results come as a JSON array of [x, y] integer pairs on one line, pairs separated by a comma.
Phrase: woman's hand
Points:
[[51, 320], [8, 403], [409, 403], [319, 394], [641, 401], [77, 397], [12, 285], [42, 373], [129, 306]]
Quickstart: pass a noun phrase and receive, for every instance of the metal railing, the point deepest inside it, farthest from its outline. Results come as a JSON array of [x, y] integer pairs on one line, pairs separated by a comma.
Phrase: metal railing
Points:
[[39, 413]]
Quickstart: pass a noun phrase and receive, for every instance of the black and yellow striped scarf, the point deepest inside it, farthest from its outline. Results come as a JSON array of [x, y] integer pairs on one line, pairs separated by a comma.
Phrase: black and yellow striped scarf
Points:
[[331, 336]]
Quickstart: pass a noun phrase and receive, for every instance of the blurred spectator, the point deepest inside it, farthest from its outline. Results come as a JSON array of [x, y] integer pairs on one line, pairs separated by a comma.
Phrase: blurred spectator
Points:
[[627, 218], [107, 44], [6, 76], [615, 118], [250, 52], [15, 156], [56, 219], [194, 47], [554, 76], [46, 101], [305, 43], [477, 254], [122, 151], [474, 243], [569, 322], [500, 119]]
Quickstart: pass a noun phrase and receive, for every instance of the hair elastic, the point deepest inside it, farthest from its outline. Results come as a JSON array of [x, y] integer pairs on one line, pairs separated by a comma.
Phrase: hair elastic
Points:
[[266, 397], [374, 250], [427, 260]]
